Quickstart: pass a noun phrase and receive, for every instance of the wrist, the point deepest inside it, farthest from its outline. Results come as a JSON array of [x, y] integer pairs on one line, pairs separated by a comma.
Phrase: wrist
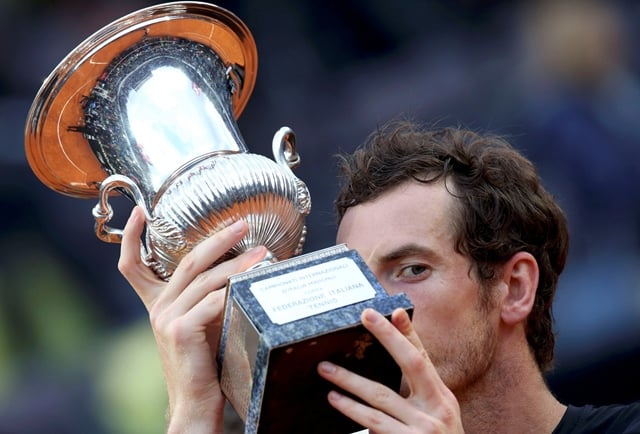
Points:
[[196, 418], [194, 427]]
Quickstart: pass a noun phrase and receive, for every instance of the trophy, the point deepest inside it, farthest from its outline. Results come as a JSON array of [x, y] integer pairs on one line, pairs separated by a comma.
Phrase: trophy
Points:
[[147, 108]]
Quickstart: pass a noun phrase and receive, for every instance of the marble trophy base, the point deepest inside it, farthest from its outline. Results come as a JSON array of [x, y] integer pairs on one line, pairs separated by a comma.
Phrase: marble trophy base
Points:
[[281, 320]]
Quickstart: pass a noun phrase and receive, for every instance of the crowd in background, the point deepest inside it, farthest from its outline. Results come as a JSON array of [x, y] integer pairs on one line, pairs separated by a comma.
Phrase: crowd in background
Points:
[[559, 79]]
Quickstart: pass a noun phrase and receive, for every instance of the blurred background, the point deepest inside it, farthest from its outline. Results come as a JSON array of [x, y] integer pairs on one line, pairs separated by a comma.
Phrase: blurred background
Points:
[[559, 79]]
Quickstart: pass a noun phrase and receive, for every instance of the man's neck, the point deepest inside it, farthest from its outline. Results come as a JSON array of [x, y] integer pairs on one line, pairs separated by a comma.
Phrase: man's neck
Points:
[[511, 397]]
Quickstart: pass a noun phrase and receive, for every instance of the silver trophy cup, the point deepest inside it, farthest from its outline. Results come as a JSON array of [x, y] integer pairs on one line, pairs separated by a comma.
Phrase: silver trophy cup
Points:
[[147, 107]]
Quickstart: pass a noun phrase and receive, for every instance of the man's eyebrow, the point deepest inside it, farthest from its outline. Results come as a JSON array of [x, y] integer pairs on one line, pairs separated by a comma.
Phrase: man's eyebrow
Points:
[[405, 251]]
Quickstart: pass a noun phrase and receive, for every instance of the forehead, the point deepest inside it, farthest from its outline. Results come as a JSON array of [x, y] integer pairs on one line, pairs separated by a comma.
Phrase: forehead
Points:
[[408, 214]]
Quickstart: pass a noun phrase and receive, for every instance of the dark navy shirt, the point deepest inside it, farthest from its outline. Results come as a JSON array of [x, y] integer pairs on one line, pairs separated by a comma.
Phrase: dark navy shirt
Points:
[[610, 419]]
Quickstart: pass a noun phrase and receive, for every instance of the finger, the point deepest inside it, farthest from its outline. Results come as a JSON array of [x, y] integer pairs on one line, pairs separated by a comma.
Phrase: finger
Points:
[[209, 311], [376, 415], [214, 279], [201, 257], [184, 328], [382, 405], [143, 280], [407, 350], [402, 322]]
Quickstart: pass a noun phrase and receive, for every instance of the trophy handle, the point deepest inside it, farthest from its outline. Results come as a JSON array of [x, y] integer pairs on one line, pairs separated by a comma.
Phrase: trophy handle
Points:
[[103, 212], [284, 148]]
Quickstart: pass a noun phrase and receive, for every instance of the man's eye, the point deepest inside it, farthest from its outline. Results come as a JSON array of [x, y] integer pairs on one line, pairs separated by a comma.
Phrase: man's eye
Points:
[[413, 271]]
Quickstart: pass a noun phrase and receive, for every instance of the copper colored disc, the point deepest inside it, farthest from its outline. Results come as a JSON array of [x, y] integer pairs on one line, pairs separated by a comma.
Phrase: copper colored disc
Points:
[[59, 155]]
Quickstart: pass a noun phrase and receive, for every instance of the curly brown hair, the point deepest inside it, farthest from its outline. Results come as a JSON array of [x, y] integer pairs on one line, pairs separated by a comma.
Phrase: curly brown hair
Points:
[[504, 207]]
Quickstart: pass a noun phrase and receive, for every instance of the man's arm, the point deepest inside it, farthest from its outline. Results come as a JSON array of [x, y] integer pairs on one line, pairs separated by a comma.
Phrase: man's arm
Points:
[[186, 318]]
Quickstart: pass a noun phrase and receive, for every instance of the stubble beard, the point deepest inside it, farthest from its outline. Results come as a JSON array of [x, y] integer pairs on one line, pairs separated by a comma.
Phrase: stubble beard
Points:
[[465, 366]]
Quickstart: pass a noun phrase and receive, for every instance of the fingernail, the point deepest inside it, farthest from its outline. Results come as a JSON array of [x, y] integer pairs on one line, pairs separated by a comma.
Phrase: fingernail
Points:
[[327, 367], [371, 316], [254, 250], [134, 213], [237, 226], [334, 396]]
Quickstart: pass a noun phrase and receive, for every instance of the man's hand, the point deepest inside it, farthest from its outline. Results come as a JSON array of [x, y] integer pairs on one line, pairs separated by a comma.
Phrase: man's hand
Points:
[[186, 315], [425, 404]]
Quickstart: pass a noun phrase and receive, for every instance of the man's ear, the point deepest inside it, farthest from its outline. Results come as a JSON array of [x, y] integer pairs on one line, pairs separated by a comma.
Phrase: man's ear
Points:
[[521, 280]]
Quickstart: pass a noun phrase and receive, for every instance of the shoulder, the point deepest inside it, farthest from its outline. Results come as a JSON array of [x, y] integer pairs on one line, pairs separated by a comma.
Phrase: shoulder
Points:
[[616, 419]]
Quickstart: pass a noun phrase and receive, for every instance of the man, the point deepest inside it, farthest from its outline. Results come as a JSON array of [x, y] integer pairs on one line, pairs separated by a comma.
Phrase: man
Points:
[[461, 224]]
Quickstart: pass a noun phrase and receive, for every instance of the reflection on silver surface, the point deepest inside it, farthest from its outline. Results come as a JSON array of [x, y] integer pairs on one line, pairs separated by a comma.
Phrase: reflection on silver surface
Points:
[[173, 121]]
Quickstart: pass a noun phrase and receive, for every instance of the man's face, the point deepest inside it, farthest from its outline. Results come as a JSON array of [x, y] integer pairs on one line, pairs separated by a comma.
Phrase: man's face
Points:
[[406, 238]]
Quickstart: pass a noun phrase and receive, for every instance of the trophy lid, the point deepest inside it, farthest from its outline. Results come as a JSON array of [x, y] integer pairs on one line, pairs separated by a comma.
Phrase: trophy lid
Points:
[[63, 159]]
